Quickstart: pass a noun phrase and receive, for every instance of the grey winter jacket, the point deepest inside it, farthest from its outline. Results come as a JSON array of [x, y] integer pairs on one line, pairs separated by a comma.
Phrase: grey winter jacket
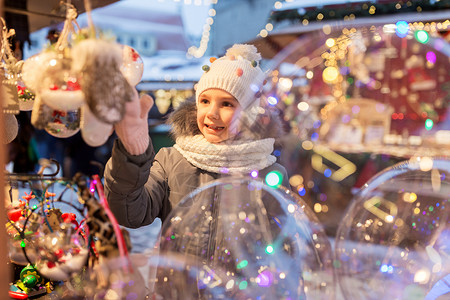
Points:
[[144, 187]]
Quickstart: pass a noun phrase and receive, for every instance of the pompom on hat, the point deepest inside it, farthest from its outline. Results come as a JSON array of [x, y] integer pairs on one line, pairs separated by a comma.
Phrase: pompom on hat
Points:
[[237, 73]]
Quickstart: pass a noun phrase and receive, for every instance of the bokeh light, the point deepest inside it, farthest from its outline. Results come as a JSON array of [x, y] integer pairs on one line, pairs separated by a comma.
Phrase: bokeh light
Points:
[[362, 99]]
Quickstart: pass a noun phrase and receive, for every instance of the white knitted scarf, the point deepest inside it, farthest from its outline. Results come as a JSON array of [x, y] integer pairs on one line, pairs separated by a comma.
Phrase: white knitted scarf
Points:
[[226, 157]]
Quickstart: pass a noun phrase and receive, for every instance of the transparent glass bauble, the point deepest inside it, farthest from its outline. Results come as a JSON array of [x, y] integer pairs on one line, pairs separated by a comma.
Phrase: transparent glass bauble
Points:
[[63, 124], [394, 241], [110, 278], [60, 87], [26, 97], [33, 69], [132, 65], [22, 238], [62, 250], [254, 240]]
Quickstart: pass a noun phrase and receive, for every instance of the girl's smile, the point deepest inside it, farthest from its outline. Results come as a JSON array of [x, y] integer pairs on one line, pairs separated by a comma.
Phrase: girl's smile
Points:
[[215, 114]]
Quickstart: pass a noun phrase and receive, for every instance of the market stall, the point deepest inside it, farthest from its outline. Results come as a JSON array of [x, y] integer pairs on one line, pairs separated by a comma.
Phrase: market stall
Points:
[[354, 100]]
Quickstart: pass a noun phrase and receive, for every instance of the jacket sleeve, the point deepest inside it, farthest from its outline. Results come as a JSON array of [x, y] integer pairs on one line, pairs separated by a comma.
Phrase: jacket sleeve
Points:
[[135, 186]]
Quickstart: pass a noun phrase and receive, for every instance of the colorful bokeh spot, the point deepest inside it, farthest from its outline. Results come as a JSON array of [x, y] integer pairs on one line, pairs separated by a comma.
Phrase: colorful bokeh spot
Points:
[[429, 124], [274, 179], [242, 264], [269, 249], [402, 28], [422, 36], [243, 285]]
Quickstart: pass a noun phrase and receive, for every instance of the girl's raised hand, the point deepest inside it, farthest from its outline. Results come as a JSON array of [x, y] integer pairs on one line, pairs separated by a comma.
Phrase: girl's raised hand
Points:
[[132, 130]]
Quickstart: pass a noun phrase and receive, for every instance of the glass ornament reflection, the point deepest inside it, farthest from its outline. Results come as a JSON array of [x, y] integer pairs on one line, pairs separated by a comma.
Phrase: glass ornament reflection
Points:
[[259, 242], [394, 241]]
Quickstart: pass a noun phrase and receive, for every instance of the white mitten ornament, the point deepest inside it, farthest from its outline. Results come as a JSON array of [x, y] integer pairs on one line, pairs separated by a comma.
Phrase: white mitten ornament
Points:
[[94, 132], [105, 88]]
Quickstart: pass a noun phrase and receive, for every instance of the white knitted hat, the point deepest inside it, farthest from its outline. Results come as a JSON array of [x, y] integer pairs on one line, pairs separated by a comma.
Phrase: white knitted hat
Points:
[[237, 73]]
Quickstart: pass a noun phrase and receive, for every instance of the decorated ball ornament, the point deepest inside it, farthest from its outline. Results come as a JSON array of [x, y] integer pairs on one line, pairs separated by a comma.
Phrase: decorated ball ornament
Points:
[[60, 87], [263, 242], [10, 129], [22, 240], [63, 124], [61, 252], [33, 67], [132, 65], [26, 97], [395, 234]]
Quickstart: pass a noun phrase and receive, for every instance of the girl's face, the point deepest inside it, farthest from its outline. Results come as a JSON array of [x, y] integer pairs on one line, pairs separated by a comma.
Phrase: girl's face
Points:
[[216, 111]]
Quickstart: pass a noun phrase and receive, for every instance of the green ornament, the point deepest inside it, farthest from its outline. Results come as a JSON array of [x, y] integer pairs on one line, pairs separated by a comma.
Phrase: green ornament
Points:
[[30, 281], [254, 63], [205, 68]]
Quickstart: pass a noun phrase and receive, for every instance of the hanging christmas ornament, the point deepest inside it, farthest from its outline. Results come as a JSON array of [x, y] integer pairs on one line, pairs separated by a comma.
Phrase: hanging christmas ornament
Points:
[[63, 124], [41, 113], [132, 65], [94, 132], [60, 88], [105, 88], [10, 128], [22, 240], [32, 69], [61, 252], [26, 97], [21, 98]]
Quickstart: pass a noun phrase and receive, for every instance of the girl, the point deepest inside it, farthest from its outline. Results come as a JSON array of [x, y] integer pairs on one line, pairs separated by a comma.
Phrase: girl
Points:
[[221, 133]]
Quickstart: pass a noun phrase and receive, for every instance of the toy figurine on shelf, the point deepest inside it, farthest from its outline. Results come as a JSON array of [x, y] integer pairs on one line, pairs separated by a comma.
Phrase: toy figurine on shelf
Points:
[[30, 284]]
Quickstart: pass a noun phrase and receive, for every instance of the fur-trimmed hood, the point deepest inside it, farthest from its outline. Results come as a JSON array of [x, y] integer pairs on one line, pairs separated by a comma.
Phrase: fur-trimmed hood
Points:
[[183, 121]]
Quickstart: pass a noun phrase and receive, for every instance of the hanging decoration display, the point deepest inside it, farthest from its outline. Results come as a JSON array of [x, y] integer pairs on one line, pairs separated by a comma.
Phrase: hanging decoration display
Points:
[[385, 85], [63, 235], [82, 82], [16, 96]]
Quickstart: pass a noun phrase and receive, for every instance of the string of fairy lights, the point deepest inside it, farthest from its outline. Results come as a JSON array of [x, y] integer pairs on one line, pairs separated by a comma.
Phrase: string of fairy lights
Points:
[[199, 51]]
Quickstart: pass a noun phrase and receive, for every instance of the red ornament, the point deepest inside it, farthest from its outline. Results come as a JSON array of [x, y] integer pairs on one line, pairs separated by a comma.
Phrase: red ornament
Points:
[[59, 253], [14, 214], [73, 85], [134, 55], [239, 72], [20, 90]]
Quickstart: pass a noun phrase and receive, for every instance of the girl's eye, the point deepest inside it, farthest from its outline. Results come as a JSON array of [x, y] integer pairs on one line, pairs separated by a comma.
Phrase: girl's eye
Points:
[[204, 101], [228, 104]]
